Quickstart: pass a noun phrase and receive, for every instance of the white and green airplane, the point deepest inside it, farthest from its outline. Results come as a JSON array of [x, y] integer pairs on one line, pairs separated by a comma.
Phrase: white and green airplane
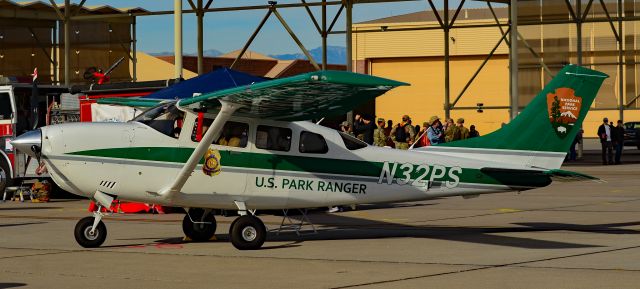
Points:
[[252, 148]]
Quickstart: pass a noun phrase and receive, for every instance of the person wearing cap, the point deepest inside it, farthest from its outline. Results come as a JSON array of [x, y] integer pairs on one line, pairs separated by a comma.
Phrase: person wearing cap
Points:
[[379, 137], [435, 133], [346, 128], [604, 133], [451, 131], [403, 133], [464, 132]]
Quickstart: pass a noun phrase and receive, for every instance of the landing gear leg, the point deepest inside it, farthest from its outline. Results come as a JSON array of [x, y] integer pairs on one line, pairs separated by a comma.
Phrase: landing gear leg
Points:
[[199, 225], [247, 232], [90, 232]]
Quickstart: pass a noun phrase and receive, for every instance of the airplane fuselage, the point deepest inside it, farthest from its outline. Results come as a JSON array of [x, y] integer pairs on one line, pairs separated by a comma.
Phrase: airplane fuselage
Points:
[[134, 162]]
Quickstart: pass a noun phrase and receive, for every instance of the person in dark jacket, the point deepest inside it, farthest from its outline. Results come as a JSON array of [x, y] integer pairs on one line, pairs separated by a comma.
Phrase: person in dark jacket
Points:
[[618, 140], [605, 135], [365, 126]]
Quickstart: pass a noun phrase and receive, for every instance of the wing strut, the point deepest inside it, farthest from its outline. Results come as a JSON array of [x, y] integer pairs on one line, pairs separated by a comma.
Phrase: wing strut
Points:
[[212, 133]]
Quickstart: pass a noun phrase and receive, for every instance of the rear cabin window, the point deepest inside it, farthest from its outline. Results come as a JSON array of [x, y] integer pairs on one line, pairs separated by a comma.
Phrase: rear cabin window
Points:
[[5, 106], [234, 134], [273, 138], [312, 143], [352, 143]]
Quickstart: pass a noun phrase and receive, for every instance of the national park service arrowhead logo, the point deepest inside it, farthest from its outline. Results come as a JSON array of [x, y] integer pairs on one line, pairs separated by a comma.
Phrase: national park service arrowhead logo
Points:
[[564, 110], [211, 165]]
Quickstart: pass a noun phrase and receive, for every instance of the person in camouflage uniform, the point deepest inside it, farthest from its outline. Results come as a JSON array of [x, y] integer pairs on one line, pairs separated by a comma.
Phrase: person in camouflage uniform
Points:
[[379, 137], [403, 133], [452, 132], [464, 132]]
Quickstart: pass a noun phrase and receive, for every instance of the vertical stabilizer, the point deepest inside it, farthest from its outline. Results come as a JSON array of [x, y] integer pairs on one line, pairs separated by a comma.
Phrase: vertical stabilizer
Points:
[[551, 120]]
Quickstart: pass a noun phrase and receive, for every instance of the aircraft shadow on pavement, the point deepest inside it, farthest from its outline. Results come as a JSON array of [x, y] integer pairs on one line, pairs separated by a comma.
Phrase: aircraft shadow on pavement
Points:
[[29, 208], [20, 224], [612, 228], [11, 285], [342, 227], [356, 228]]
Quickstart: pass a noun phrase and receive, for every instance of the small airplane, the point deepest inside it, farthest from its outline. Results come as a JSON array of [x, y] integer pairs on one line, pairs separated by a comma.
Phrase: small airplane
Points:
[[252, 148]]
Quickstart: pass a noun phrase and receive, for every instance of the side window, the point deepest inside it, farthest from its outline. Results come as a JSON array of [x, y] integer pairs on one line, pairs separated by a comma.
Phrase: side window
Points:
[[5, 106], [234, 134], [312, 143], [273, 138]]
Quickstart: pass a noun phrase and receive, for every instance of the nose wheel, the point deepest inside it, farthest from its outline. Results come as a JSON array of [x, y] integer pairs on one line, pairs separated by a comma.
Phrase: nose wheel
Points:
[[247, 233], [90, 232]]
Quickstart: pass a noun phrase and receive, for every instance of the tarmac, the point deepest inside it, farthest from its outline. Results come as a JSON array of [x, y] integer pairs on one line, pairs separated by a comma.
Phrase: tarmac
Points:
[[567, 235]]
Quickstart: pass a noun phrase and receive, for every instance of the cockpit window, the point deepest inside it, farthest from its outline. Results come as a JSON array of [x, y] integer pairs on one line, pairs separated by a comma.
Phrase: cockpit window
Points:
[[165, 118], [352, 143]]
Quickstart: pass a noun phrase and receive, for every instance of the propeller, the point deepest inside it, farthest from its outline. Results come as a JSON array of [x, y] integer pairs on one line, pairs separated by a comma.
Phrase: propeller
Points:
[[96, 75], [34, 101]]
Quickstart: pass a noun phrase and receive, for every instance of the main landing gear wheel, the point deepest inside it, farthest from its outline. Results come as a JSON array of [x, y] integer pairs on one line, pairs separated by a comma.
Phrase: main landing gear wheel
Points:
[[204, 227], [86, 236], [247, 233], [5, 176]]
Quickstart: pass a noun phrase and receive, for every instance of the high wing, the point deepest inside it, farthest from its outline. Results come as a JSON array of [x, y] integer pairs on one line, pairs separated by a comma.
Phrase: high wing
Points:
[[302, 97], [136, 102]]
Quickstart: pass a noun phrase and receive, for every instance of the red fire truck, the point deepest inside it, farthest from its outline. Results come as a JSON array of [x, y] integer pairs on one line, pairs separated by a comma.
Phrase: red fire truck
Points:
[[21, 109]]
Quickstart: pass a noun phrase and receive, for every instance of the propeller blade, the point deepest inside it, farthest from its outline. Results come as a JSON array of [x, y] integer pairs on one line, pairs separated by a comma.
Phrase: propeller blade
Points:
[[114, 66]]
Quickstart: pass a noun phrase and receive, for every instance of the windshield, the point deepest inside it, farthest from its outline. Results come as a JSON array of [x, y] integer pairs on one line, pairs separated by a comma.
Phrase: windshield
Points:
[[165, 118], [631, 125], [5, 106], [351, 142], [156, 112]]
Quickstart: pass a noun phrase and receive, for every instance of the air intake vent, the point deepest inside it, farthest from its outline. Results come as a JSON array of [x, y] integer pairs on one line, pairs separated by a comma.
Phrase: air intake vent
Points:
[[108, 184]]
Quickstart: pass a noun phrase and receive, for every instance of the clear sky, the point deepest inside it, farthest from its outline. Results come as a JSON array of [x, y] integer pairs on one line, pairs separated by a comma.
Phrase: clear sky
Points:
[[227, 31]]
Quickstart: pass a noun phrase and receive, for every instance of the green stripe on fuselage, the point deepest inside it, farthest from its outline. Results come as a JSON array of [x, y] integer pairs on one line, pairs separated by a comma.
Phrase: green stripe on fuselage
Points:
[[307, 164]]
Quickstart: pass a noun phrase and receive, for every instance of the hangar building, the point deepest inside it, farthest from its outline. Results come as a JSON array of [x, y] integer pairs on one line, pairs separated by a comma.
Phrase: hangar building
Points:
[[410, 48]]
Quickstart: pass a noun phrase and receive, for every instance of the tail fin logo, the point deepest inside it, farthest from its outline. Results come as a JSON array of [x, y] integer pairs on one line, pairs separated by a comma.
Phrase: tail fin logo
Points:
[[564, 110]]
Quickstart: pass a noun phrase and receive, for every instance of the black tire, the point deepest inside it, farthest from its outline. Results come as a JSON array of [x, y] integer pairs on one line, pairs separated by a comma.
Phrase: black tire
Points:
[[199, 232], [6, 179], [82, 233], [247, 233]]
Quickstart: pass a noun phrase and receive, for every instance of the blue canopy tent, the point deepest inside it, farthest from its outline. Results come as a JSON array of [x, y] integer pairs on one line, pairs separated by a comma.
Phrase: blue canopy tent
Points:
[[218, 79]]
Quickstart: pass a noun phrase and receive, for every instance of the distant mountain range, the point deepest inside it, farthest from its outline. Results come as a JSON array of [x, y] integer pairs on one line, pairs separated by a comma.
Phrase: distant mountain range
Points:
[[335, 54], [206, 53]]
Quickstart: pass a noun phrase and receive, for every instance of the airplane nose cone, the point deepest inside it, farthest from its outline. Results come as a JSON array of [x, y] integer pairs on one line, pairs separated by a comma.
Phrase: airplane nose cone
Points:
[[29, 143]]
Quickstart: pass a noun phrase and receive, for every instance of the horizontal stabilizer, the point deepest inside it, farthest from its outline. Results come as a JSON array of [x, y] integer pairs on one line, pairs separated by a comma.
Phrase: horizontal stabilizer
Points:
[[569, 176], [533, 178]]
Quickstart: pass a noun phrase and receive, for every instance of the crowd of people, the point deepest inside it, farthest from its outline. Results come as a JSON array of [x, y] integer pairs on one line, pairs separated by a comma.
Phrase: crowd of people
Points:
[[403, 135]]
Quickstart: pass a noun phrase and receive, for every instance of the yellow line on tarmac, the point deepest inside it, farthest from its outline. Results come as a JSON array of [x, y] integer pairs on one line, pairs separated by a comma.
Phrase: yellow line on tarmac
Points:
[[506, 210]]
